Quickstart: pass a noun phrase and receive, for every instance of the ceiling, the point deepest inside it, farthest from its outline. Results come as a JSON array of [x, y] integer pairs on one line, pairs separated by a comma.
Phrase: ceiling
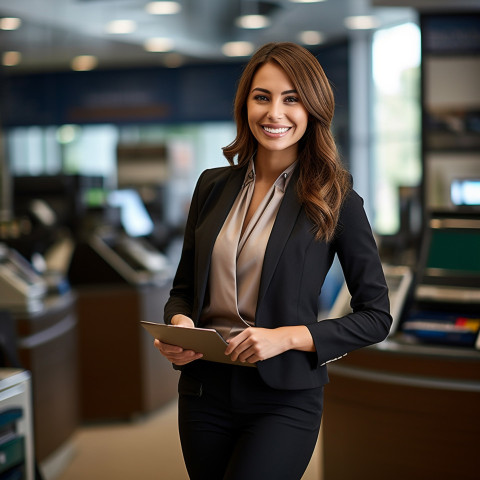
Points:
[[52, 32]]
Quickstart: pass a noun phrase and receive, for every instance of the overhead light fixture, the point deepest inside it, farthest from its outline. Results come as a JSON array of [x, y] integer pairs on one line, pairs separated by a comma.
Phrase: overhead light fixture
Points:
[[237, 49], [311, 37], [83, 63], [252, 21], [10, 59], [163, 8], [10, 23], [158, 44], [361, 22], [120, 27], [307, 1]]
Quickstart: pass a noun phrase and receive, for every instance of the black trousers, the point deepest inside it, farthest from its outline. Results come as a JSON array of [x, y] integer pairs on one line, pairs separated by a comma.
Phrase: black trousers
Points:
[[234, 427]]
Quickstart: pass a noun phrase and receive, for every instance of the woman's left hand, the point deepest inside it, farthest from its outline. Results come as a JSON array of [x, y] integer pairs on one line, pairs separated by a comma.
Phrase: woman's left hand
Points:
[[255, 344]]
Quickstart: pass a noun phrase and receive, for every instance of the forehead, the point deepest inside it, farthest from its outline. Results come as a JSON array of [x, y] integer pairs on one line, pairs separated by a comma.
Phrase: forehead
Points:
[[271, 74]]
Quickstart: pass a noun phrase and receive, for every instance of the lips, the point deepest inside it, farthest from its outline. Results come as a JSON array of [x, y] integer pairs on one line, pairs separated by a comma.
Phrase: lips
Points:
[[276, 130]]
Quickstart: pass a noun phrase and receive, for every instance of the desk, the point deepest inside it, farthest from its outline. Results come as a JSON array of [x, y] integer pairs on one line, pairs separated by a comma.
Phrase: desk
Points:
[[121, 373], [402, 411]]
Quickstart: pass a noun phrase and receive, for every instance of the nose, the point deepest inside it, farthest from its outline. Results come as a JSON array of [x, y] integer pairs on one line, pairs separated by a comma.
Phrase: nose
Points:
[[275, 111]]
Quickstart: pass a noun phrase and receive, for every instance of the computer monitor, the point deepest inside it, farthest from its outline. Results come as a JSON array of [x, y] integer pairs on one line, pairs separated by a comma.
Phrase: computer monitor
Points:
[[450, 261], [454, 251], [398, 278], [134, 217], [465, 192]]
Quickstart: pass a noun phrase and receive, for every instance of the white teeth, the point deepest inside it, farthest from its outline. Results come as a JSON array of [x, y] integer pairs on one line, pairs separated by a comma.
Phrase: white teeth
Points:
[[276, 130]]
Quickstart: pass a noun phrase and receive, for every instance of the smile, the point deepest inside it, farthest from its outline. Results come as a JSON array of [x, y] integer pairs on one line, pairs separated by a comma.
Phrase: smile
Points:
[[276, 130]]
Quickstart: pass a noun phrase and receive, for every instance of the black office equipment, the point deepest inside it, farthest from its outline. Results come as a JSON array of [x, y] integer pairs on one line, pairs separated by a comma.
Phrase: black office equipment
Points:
[[450, 262]]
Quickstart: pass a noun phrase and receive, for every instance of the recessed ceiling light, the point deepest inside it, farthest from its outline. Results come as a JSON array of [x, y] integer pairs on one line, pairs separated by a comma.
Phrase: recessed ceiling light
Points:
[[163, 8], [158, 44], [311, 37], [121, 27], [83, 63], [252, 21], [10, 59], [361, 22], [10, 23], [237, 49]]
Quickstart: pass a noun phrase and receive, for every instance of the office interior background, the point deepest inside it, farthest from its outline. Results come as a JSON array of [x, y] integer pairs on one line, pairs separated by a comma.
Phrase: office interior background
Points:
[[109, 111]]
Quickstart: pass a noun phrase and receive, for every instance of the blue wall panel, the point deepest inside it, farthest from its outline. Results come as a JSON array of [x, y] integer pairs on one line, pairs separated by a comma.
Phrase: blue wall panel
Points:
[[195, 93]]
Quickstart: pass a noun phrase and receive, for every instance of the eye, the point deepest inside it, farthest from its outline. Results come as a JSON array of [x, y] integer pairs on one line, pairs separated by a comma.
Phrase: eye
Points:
[[291, 100], [260, 98]]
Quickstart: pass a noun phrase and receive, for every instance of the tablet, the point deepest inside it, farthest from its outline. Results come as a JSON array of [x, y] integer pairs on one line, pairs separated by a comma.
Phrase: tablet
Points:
[[203, 340]]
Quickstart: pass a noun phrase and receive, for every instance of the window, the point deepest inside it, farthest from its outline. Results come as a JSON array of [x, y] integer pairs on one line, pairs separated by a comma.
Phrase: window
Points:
[[396, 121]]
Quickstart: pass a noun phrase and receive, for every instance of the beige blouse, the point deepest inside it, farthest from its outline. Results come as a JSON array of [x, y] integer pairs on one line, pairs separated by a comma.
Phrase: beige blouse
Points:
[[237, 258]]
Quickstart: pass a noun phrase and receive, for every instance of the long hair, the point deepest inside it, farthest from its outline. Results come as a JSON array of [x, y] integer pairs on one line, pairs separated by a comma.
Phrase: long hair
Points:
[[323, 182]]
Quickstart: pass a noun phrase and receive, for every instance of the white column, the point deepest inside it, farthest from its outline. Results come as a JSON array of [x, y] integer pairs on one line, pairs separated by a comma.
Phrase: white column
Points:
[[361, 164]]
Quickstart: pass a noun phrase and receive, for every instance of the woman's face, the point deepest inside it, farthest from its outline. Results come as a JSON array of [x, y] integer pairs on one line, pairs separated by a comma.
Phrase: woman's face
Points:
[[276, 115]]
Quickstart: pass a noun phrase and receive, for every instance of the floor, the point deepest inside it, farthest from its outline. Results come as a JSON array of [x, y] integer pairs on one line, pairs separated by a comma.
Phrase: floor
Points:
[[147, 448]]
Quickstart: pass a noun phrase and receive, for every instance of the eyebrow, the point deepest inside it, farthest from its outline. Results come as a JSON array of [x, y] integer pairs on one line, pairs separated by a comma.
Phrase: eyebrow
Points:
[[264, 90]]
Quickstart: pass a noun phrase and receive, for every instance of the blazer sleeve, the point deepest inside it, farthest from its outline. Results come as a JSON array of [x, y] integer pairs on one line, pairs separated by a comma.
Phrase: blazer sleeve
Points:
[[182, 292], [370, 319]]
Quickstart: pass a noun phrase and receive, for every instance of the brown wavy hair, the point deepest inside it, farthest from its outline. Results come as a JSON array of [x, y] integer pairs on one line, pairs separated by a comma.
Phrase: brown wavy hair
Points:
[[323, 182]]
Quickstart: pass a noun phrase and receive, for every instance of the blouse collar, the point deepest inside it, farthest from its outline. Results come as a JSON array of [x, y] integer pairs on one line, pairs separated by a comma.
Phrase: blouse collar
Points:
[[281, 182]]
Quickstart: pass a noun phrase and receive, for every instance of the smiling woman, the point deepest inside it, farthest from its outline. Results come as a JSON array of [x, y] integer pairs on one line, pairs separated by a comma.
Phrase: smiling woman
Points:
[[323, 182], [260, 238], [276, 116]]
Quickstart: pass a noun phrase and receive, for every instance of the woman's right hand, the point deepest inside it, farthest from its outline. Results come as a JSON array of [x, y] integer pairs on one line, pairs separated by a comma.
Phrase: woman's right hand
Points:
[[174, 353]]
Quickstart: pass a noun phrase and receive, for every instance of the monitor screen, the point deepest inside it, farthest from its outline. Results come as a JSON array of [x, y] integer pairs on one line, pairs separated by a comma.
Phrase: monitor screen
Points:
[[134, 217], [465, 192], [455, 250]]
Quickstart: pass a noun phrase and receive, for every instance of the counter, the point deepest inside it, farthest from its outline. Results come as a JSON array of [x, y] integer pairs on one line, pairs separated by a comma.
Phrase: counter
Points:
[[397, 410], [47, 347]]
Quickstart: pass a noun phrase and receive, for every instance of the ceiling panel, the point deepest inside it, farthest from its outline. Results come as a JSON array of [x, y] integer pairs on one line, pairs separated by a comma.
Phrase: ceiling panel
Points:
[[54, 31]]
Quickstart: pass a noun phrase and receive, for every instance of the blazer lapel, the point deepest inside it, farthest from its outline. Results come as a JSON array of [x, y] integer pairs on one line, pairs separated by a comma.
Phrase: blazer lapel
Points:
[[284, 223], [211, 227]]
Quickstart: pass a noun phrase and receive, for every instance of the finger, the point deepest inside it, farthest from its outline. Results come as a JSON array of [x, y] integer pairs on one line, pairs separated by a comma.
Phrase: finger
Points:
[[180, 355], [250, 356], [167, 347], [232, 345], [245, 355], [235, 341], [186, 357], [253, 359], [241, 351]]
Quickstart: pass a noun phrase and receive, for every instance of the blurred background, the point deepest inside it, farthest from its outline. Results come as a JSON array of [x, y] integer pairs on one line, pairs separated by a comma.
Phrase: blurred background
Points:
[[110, 110]]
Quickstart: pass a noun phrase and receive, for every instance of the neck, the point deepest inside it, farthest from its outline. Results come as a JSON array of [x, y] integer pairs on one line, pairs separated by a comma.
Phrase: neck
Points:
[[269, 165]]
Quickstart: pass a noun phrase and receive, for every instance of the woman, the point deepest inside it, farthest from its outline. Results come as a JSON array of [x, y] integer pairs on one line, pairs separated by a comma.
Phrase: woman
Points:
[[260, 238]]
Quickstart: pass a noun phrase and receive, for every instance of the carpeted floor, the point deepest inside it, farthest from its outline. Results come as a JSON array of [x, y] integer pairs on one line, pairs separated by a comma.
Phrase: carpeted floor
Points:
[[145, 449]]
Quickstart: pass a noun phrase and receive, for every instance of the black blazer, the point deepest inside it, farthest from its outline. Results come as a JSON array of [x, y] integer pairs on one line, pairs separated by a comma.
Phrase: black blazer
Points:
[[294, 269]]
